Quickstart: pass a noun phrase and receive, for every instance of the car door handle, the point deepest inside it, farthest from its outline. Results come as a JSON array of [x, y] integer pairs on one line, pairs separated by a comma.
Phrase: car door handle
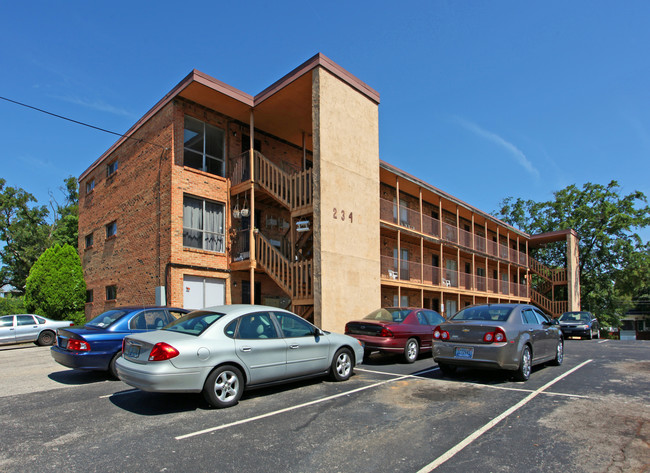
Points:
[[246, 349], [293, 347]]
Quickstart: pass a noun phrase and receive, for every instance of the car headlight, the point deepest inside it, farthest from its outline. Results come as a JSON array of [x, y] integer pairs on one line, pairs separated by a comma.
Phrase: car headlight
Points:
[[583, 327]]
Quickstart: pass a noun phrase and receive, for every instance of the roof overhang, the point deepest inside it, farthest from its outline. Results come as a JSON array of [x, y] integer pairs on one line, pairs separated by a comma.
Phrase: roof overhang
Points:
[[284, 109]]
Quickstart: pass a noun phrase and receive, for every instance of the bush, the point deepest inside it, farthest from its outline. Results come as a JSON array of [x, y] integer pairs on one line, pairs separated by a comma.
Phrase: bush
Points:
[[55, 286], [12, 305]]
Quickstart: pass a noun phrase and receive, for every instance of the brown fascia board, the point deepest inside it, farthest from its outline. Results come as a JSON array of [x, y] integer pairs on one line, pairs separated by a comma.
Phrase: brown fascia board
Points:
[[450, 197], [326, 63], [548, 237], [194, 76]]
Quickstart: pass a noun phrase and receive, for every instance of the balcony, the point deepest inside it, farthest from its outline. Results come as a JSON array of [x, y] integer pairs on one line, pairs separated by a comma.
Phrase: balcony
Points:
[[410, 219], [414, 272]]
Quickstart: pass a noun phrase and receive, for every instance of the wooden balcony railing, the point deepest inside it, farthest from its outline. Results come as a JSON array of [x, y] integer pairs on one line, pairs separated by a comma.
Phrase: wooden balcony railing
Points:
[[293, 190], [410, 219], [555, 308], [414, 272], [295, 278], [557, 276]]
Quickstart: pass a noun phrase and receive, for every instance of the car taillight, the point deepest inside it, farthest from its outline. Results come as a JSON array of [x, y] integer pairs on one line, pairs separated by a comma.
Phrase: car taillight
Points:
[[440, 334], [497, 336], [162, 351], [77, 345], [347, 329], [385, 333], [123, 343]]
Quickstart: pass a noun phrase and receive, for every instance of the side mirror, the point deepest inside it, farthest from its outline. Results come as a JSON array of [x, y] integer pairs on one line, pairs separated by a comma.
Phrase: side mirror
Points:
[[318, 332]]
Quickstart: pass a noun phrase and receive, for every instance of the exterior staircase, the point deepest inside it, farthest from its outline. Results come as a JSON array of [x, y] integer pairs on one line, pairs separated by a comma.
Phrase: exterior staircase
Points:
[[548, 279], [293, 191]]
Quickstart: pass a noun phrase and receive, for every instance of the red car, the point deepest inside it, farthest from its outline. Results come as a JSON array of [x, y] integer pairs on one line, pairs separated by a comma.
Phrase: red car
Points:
[[407, 330]]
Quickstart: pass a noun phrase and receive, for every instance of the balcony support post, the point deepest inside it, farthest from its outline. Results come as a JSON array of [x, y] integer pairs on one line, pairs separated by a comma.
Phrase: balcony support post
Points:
[[251, 230]]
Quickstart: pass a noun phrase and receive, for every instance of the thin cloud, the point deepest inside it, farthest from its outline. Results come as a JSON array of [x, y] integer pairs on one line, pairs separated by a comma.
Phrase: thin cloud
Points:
[[96, 105], [518, 154]]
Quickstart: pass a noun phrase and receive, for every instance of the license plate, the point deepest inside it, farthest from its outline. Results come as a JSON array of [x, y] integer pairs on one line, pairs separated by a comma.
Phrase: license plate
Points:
[[463, 352], [133, 351]]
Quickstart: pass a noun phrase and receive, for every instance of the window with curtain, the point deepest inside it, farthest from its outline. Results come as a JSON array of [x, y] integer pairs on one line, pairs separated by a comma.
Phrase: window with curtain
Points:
[[203, 224], [203, 147]]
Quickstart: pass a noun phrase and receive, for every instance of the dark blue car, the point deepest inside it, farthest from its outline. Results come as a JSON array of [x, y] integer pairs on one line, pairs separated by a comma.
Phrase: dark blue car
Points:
[[98, 344]]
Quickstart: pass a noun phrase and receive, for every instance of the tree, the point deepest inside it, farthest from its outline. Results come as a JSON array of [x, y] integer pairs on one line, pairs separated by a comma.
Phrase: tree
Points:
[[55, 286], [65, 229], [25, 234], [606, 223]]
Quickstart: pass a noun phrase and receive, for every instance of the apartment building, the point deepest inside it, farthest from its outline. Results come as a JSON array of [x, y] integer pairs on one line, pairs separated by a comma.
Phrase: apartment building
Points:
[[216, 196]]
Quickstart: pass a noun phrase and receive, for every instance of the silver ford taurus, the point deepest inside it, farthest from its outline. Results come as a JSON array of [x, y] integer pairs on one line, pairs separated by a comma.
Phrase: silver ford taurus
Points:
[[222, 350]]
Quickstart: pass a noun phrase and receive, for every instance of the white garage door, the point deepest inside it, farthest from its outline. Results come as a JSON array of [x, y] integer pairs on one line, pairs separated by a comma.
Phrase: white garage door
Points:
[[203, 292]]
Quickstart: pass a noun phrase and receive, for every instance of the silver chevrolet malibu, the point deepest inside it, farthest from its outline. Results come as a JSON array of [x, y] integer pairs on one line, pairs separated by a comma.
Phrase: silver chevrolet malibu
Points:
[[507, 336], [221, 350]]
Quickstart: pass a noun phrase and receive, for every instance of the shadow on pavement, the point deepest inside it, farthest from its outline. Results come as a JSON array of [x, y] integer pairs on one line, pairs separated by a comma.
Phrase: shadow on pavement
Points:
[[80, 377]]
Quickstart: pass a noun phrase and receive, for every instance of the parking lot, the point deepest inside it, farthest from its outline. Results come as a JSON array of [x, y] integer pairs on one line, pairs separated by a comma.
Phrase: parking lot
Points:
[[590, 414]]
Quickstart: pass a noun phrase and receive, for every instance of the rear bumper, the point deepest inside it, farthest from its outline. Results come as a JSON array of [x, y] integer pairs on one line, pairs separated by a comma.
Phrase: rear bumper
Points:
[[496, 355], [387, 344], [81, 360], [160, 377]]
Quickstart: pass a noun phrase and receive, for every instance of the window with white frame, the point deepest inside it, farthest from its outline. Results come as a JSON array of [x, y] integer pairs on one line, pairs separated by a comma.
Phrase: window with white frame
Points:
[[203, 224], [203, 147], [90, 185]]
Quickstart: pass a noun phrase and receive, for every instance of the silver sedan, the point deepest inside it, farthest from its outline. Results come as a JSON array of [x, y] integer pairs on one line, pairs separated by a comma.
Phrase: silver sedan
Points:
[[222, 350], [507, 336], [22, 328]]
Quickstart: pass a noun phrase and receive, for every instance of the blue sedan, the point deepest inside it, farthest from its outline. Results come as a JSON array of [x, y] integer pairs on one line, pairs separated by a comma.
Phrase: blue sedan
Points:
[[98, 344]]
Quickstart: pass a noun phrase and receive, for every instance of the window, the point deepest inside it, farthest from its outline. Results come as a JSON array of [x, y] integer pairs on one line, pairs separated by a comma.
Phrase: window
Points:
[[90, 185], [111, 229], [111, 168], [89, 295], [203, 147], [7, 321], [111, 293], [292, 326], [256, 326], [25, 320], [203, 224], [89, 241]]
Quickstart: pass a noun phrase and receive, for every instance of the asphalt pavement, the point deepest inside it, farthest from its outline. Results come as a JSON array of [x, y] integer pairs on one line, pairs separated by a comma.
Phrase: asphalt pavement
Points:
[[591, 414]]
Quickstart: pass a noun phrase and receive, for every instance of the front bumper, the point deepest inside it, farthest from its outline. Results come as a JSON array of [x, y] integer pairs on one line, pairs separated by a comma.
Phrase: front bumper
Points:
[[575, 332]]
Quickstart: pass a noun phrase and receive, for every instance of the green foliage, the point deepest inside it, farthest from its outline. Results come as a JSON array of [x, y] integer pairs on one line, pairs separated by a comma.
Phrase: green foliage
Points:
[[66, 224], [12, 305], [55, 286], [25, 234], [613, 258]]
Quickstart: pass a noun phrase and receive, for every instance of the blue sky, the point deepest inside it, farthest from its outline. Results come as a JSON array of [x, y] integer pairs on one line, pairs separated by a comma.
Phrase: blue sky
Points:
[[484, 100]]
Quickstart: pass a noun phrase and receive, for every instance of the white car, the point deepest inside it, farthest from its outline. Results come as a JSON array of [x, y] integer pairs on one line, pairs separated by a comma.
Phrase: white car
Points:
[[21, 328], [222, 350]]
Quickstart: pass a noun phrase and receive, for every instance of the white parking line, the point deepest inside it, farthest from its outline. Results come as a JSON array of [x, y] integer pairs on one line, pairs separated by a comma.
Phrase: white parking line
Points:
[[603, 340], [469, 439], [287, 409], [119, 393], [489, 386]]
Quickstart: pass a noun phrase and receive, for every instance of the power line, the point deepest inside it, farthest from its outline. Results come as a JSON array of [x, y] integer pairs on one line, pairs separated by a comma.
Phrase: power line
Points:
[[81, 123]]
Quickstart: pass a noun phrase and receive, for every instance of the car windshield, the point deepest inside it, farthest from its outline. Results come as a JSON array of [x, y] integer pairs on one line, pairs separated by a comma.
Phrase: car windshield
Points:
[[487, 313], [107, 318], [388, 315], [575, 317], [194, 323]]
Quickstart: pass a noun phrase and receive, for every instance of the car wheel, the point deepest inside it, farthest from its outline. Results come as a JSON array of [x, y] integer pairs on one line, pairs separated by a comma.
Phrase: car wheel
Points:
[[46, 337], [525, 364], [597, 334], [112, 369], [589, 336], [559, 354], [224, 386], [341, 368], [411, 350], [447, 370]]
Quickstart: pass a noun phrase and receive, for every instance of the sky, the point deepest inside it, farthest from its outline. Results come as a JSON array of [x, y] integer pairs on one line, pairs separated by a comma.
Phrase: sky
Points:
[[484, 100]]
